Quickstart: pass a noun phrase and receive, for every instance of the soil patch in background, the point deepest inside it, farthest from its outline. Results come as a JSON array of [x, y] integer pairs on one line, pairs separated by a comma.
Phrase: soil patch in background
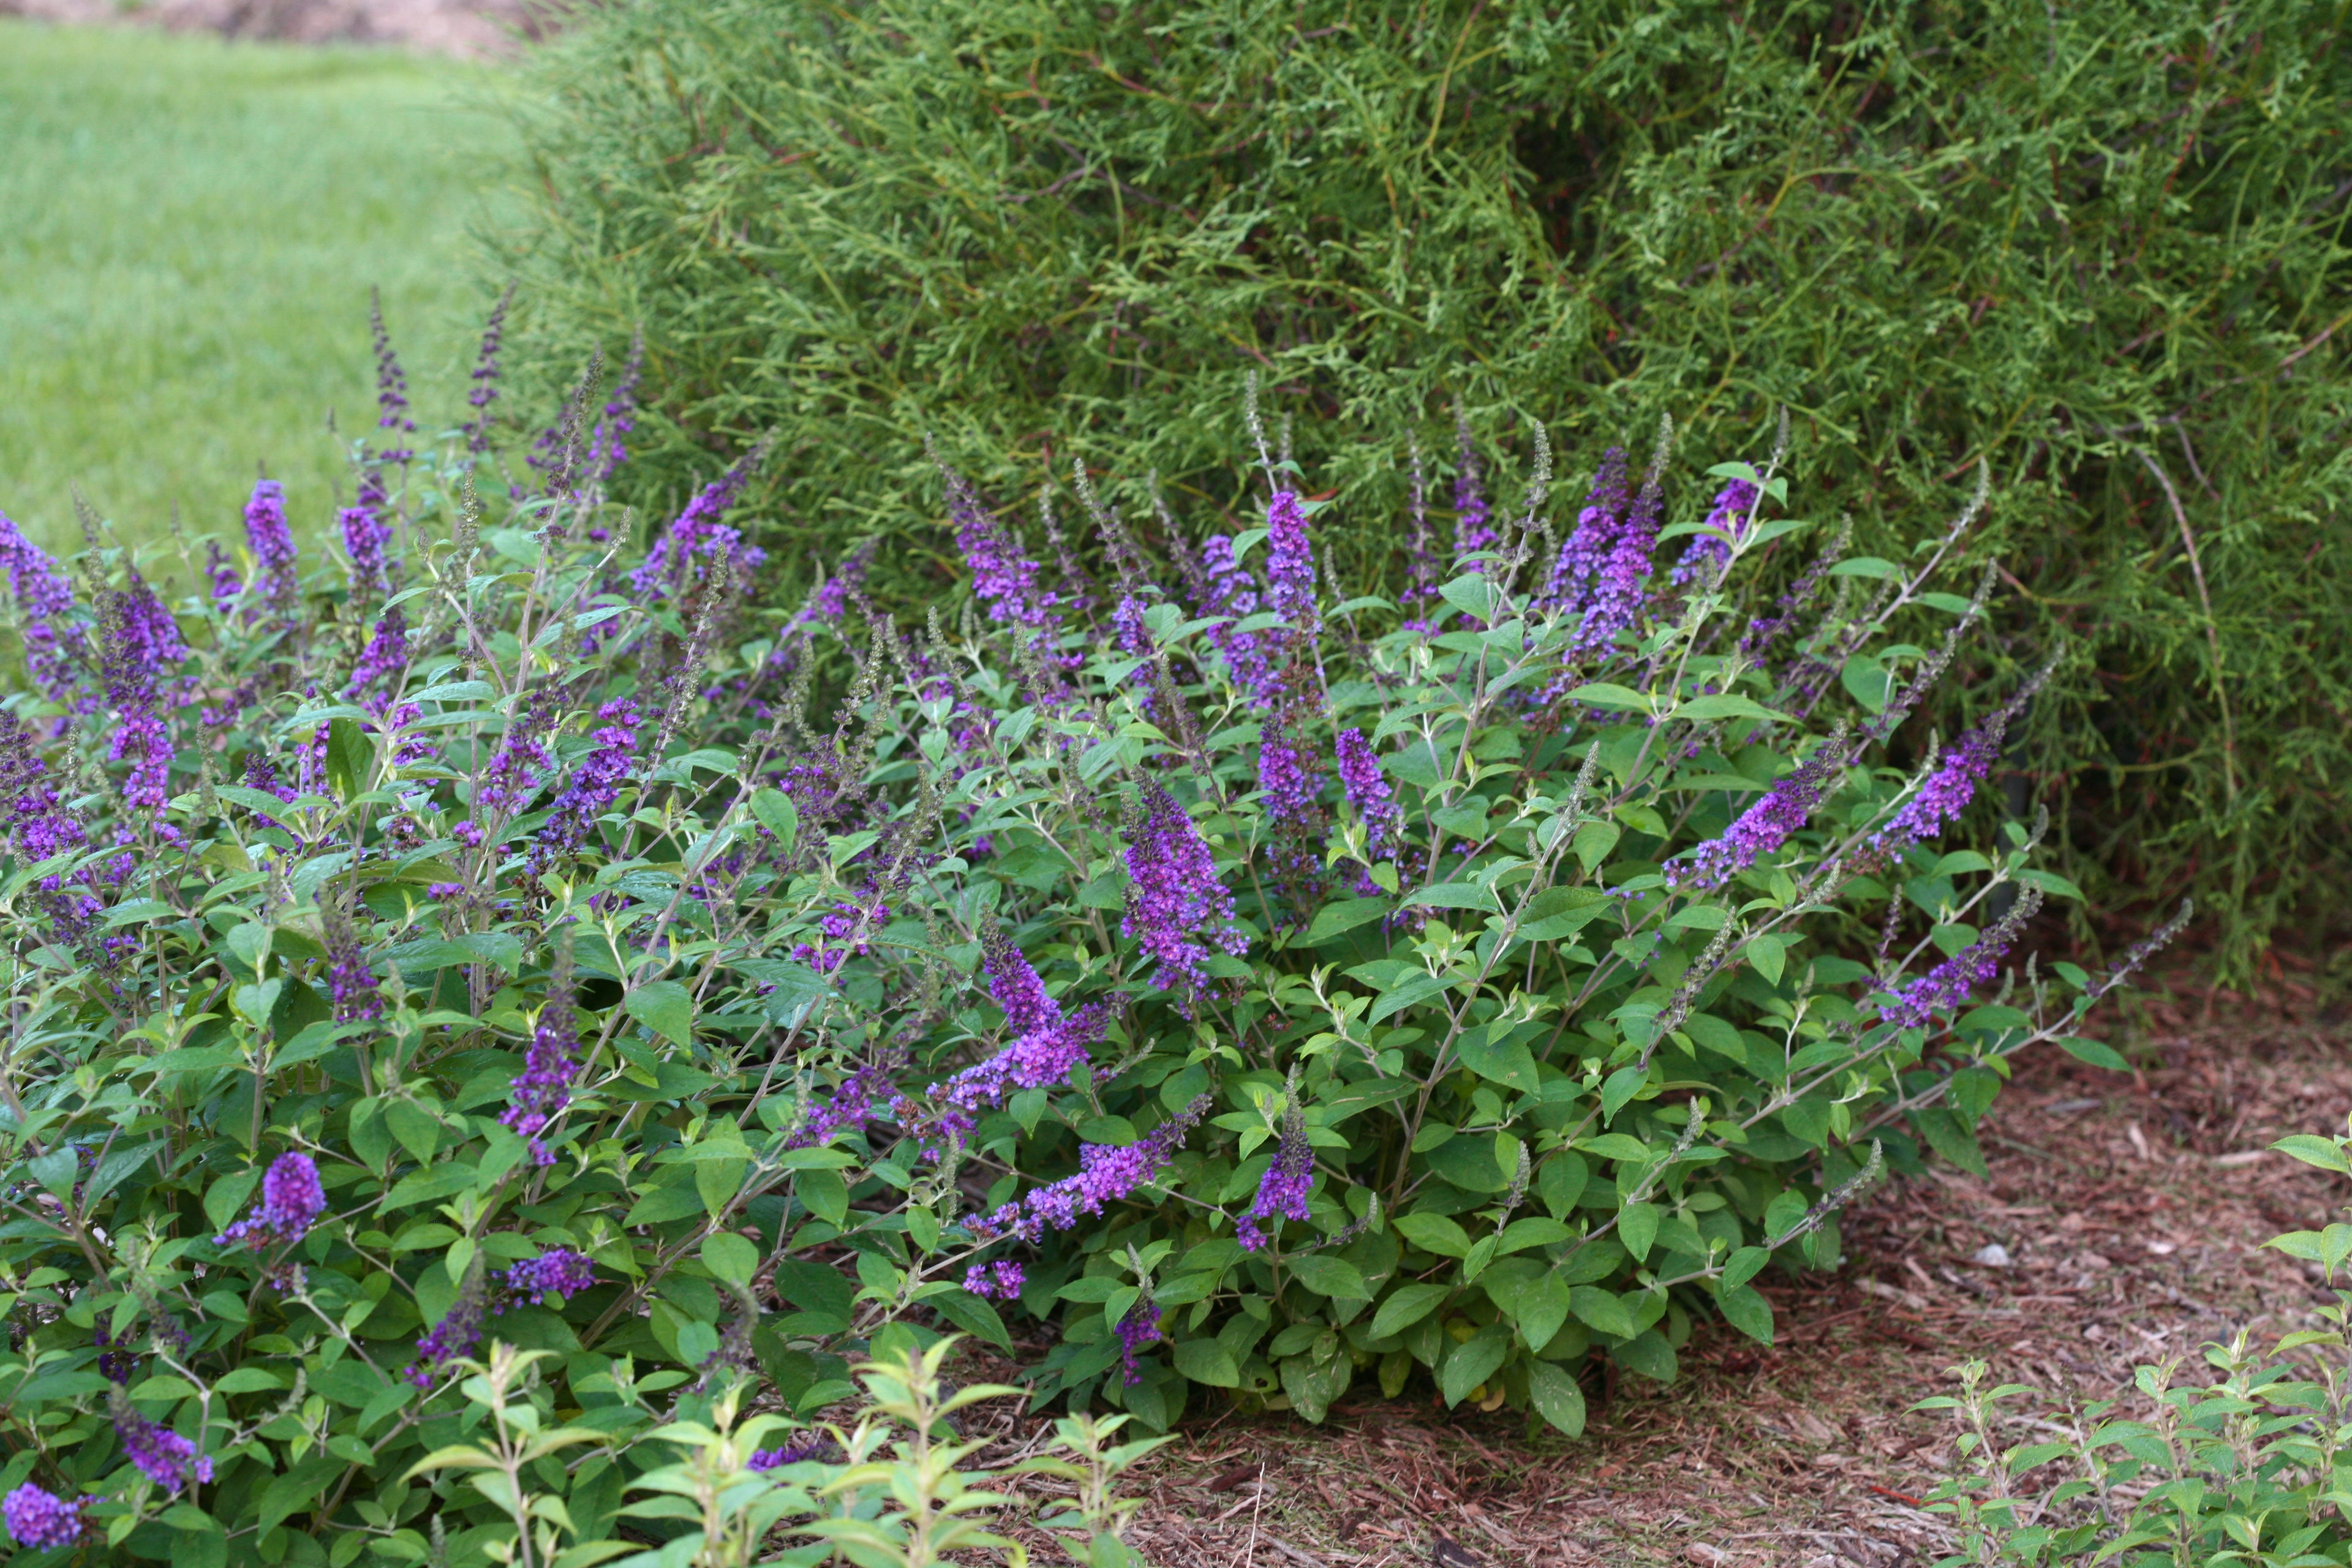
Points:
[[465, 29], [2131, 1210]]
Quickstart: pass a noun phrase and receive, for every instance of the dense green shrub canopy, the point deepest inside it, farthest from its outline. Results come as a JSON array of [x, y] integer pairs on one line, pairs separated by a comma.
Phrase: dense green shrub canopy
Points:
[[2102, 248], [478, 1019]]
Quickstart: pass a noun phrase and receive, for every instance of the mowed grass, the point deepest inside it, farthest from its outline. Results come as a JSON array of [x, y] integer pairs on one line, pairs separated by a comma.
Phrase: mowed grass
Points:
[[192, 227]]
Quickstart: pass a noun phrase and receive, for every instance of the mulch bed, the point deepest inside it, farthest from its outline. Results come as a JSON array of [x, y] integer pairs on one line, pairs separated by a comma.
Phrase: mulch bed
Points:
[[2130, 1211]]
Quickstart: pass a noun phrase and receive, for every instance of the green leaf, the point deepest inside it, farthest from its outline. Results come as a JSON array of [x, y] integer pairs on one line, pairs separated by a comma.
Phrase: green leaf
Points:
[[665, 1008], [1336, 920], [1745, 1308], [1435, 1233], [1600, 1309], [2324, 1152], [826, 1193], [1207, 1361], [1769, 955], [1637, 1227], [730, 1256], [349, 758], [779, 815], [1314, 1382], [1742, 1266], [973, 1315], [1405, 1306], [1728, 705], [1473, 1361], [1328, 1276], [2094, 1052], [1556, 1398], [1621, 1086], [1609, 697]]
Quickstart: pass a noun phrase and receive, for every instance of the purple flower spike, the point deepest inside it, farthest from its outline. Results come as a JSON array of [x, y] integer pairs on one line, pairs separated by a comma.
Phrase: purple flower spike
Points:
[[1281, 1191], [41, 1521], [606, 448], [1139, 1328], [559, 1271], [1232, 591], [1003, 579], [365, 533], [351, 984], [292, 1199], [544, 1088], [522, 759], [1014, 986], [1000, 1281], [1587, 547], [809, 1447], [1767, 825], [1177, 908], [273, 544], [1290, 561], [485, 377], [1368, 793], [143, 652], [454, 1336], [1106, 1174], [592, 788], [1735, 508], [56, 643], [1946, 986], [377, 673], [163, 1455], [701, 535], [1945, 793]]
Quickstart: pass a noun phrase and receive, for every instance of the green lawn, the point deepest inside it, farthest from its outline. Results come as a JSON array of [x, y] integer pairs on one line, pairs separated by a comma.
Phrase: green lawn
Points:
[[190, 230]]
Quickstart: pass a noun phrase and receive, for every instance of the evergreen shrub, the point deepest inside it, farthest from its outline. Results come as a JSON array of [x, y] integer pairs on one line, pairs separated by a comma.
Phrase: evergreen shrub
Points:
[[2102, 248], [495, 1003]]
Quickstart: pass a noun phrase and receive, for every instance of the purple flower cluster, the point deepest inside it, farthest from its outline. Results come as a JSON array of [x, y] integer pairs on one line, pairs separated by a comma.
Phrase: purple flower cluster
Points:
[[1229, 592], [1290, 562], [273, 545], [544, 1087], [455, 1335], [1106, 1174], [222, 573], [1769, 823], [1281, 1191], [1139, 1327], [143, 652], [845, 929], [391, 388], [522, 759], [1037, 1058], [1177, 909], [1001, 1280], [558, 1271], [1947, 985], [607, 450], [1014, 984], [810, 1446], [56, 646], [861, 1096], [592, 787], [381, 663], [163, 1455], [1003, 579], [292, 1199], [1943, 795], [351, 984], [701, 534], [365, 534], [1368, 793], [1289, 781], [485, 377], [1735, 508], [1587, 548], [38, 824], [40, 1522]]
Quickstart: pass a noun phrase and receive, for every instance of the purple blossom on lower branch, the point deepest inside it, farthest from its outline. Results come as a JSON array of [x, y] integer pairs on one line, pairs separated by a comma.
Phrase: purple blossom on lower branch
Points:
[[1946, 986], [1735, 506], [351, 984], [292, 1199], [1000, 1281], [1290, 561], [1943, 795], [862, 1095], [1139, 1328], [273, 545], [1231, 593], [592, 787], [163, 1455], [454, 1336], [809, 1445], [1177, 908], [41, 1521], [1107, 1173], [522, 759], [1012, 984], [365, 534], [1368, 793], [1281, 1191], [544, 1087], [1769, 823], [559, 1271]]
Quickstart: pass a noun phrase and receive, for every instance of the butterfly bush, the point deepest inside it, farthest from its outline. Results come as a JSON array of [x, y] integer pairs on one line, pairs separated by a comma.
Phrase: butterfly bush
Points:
[[530, 938]]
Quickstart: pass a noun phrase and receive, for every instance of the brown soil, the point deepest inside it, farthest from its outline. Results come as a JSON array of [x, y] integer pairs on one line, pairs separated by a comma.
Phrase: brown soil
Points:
[[2132, 1210], [469, 29]]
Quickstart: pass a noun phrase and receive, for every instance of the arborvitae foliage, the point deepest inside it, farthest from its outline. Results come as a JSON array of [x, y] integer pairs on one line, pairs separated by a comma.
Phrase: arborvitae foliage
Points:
[[2101, 248]]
